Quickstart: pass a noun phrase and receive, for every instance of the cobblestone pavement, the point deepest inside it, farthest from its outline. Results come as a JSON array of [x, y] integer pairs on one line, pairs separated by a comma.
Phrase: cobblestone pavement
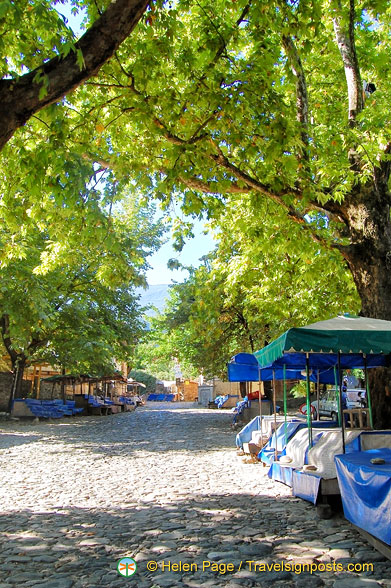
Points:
[[163, 484]]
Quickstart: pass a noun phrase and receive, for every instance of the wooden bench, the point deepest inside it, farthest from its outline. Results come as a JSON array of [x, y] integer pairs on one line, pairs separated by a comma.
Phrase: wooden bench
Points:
[[356, 418]]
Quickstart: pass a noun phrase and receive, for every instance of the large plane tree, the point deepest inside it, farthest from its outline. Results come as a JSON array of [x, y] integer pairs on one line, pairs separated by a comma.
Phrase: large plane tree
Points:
[[287, 101]]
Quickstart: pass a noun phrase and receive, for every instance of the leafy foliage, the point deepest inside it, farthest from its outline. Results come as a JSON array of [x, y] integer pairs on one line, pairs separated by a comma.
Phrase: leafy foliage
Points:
[[258, 283], [160, 349], [144, 378], [69, 267], [244, 105]]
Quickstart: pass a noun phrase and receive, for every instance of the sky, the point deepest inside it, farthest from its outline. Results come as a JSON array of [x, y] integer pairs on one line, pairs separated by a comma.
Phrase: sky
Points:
[[194, 248]]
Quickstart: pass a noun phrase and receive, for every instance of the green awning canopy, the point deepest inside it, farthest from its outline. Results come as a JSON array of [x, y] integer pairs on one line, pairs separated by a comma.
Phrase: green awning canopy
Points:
[[343, 334]]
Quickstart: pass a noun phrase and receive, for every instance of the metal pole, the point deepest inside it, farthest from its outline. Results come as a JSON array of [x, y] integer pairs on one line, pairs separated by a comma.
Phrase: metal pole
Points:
[[369, 403], [260, 390], [317, 396], [259, 393], [285, 407], [309, 420], [275, 416], [340, 402], [337, 395], [261, 415]]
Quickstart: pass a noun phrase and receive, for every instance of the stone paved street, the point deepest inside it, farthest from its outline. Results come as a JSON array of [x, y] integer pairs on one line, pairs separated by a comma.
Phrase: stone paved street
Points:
[[163, 484]]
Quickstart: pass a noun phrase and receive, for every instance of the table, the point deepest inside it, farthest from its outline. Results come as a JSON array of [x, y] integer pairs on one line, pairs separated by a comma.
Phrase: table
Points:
[[366, 491]]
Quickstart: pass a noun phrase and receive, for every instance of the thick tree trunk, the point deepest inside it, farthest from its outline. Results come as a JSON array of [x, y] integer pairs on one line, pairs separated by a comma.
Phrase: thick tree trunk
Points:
[[18, 366], [369, 260], [20, 98]]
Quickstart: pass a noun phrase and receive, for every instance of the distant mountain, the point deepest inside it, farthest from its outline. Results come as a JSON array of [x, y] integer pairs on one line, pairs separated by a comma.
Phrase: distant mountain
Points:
[[156, 295]]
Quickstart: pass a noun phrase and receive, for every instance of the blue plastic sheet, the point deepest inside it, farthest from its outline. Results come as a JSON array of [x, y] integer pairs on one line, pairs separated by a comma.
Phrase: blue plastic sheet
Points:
[[161, 397], [283, 474], [221, 400], [305, 486], [244, 367], [366, 491], [280, 473], [328, 360], [244, 436], [266, 455]]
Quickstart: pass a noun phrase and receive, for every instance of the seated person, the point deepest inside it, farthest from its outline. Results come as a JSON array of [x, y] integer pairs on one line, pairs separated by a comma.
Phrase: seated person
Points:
[[361, 399]]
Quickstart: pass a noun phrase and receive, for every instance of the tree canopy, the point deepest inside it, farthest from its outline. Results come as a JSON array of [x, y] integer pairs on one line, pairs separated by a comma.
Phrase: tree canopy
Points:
[[69, 265], [285, 102], [248, 98], [258, 283], [42, 61]]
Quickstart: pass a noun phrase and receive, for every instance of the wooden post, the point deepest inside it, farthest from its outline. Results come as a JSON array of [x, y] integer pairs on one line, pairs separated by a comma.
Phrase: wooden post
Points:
[[63, 385], [34, 387], [39, 381]]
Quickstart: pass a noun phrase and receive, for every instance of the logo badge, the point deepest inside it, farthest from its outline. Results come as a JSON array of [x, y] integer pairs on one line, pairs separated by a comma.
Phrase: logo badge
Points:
[[126, 567]]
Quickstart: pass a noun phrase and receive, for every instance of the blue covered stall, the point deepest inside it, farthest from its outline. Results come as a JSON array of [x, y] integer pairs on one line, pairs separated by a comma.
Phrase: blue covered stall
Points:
[[366, 490], [341, 343], [244, 367]]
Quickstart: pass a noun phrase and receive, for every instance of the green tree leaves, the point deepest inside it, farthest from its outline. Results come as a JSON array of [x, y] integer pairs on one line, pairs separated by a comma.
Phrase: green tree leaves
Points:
[[69, 266], [264, 277]]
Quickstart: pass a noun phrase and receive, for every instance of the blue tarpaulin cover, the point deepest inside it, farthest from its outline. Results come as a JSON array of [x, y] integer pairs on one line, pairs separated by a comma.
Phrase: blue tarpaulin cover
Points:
[[366, 491], [244, 436], [244, 367], [325, 361], [290, 428], [221, 400], [280, 473], [266, 455], [283, 473], [305, 485]]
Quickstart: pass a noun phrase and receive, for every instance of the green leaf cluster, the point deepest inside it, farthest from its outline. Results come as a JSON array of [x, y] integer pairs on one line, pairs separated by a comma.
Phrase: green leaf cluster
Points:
[[263, 278]]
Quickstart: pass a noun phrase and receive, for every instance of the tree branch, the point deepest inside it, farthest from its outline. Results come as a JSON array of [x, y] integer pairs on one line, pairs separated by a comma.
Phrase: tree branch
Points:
[[5, 334], [301, 91], [210, 187], [20, 98], [346, 44]]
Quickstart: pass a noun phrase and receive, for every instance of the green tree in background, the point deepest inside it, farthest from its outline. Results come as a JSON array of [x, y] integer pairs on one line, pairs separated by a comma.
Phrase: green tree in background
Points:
[[287, 102], [250, 289], [144, 378], [163, 345], [68, 268]]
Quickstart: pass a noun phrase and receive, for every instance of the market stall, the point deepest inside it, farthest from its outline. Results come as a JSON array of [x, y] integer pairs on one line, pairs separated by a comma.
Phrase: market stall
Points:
[[341, 343], [364, 478]]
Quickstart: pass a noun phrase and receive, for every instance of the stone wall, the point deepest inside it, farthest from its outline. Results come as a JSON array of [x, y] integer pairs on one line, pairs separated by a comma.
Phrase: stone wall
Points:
[[5, 389], [223, 388], [48, 392]]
